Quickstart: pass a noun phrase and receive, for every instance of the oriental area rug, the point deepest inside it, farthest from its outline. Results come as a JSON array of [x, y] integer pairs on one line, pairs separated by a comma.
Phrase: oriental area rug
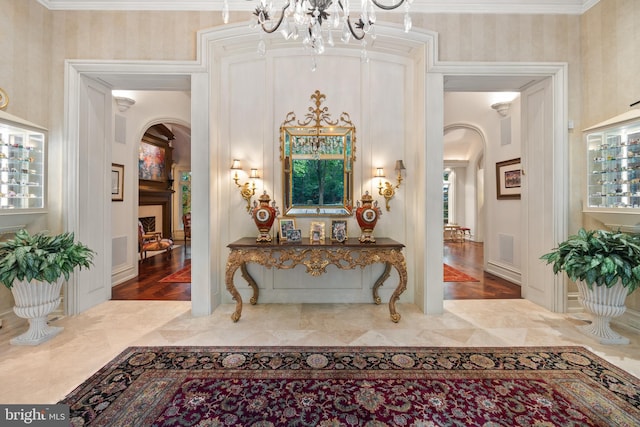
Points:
[[453, 275], [180, 276], [357, 386]]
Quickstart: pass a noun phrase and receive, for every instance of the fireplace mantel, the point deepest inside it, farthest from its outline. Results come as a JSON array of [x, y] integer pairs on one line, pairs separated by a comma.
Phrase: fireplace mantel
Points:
[[151, 197]]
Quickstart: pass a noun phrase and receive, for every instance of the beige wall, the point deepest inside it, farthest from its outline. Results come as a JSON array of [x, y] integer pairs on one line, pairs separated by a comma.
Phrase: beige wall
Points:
[[610, 48], [34, 43]]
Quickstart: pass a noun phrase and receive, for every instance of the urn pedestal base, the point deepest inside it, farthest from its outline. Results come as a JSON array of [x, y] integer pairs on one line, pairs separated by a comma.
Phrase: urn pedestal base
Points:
[[264, 236], [604, 304], [35, 301], [367, 237]]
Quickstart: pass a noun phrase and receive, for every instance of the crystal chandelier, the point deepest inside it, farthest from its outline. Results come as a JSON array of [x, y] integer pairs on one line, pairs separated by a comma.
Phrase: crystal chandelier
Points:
[[306, 18]]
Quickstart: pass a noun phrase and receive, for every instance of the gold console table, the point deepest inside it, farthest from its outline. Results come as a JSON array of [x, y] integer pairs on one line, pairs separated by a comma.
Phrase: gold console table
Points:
[[316, 257]]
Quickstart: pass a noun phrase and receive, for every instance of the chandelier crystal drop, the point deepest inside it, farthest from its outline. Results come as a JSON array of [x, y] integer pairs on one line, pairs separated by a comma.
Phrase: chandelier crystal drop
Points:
[[308, 18]]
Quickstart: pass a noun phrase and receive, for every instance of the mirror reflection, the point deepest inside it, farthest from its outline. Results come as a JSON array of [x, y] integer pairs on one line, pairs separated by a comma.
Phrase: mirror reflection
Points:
[[318, 156]]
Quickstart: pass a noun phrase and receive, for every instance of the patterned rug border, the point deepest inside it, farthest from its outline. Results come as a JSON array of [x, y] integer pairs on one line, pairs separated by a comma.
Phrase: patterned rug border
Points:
[[130, 351]]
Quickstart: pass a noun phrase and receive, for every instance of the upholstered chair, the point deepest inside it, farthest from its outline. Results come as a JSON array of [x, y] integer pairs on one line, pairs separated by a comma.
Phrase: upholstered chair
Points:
[[152, 242], [186, 224]]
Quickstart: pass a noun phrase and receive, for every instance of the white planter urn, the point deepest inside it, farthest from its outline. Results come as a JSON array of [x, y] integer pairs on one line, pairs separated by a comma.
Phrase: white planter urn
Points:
[[34, 301], [604, 304]]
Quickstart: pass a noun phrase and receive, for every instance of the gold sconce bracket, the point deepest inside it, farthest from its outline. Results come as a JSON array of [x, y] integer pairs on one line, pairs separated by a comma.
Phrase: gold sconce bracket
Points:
[[4, 99], [388, 190], [248, 189]]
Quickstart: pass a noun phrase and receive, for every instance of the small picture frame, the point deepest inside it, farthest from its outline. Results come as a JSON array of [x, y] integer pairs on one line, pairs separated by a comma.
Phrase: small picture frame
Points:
[[316, 234], [286, 224], [117, 182], [294, 236], [339, 230], [508, 179]]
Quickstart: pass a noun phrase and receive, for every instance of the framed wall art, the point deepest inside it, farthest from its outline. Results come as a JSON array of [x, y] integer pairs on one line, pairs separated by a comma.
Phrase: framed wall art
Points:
[[508, 179], [152, 162], [117, 182]]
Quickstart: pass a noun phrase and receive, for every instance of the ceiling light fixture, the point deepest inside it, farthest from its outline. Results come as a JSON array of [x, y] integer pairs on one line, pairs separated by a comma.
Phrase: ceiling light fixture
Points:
[[306, 18], [502, 108]]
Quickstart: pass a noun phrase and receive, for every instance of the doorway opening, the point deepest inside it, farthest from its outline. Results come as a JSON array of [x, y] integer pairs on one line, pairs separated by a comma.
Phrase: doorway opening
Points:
[[475, 130], [164, 189]]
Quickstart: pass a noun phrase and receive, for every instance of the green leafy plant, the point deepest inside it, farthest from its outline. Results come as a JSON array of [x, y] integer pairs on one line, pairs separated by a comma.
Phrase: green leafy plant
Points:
[[41, 257], [599, 257]]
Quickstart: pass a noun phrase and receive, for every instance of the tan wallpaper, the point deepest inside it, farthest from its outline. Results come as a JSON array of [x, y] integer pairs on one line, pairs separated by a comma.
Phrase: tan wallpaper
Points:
[[34, 43], [611, 59], [611, 66]]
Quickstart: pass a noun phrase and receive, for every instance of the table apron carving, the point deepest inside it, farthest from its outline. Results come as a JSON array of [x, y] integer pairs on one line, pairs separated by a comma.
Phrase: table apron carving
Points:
[[316, 260]]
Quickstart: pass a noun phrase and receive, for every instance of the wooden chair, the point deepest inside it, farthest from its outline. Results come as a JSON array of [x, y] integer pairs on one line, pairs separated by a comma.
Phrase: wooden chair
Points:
[[152, 242], [186, 225]]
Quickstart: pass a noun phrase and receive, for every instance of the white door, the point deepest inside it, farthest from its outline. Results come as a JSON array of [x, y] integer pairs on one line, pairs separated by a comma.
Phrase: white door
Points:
[[88, 200], [544, 169]]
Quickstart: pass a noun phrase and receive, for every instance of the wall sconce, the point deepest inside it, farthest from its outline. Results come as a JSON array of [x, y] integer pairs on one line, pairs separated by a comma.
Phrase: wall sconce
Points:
[[124, 103], [502, 108], [248, 189], [388, 190]]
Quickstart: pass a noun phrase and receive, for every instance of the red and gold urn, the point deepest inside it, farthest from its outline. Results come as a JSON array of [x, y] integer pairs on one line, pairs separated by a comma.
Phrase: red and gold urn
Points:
[[264, 215], [367, 215]]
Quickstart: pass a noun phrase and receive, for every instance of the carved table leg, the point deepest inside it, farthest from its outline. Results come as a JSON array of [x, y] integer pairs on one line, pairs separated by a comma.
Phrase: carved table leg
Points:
[[384, 276], [251, 282], [401, 266], [232, 266]]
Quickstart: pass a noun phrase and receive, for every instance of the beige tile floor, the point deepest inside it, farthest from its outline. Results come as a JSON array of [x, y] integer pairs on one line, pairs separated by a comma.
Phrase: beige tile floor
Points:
[[46, 373]]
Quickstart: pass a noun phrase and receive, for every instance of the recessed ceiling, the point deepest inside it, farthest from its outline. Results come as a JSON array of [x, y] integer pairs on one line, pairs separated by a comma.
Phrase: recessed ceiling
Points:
[[572, 7]]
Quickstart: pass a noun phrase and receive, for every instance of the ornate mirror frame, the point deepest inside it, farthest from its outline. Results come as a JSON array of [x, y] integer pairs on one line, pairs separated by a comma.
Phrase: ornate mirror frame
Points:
[[317, 162]]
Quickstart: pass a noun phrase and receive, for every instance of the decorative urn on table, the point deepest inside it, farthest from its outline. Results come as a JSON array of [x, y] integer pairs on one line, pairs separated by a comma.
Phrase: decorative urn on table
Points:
[[264, 215], [367, 215]]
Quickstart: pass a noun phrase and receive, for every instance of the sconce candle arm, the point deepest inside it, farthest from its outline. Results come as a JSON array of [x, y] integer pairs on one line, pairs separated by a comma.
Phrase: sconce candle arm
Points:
[[248, 189], [388, 190]]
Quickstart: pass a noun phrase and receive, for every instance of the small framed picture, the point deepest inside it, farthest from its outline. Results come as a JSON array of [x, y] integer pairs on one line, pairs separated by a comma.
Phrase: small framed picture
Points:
[[316, 234], [294, 235], [508, 179], [339, 230], [286, 224], [117, 182]]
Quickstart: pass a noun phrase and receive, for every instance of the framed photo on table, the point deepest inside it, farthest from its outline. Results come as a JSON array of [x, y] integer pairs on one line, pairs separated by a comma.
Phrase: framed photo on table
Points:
[[339, 230], [508, 179], [316, 234], [294, 236], [117, 182], [286, 224]]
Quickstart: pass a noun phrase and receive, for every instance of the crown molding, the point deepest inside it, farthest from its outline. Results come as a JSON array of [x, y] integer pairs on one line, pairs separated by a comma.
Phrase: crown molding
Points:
[[563, 7]]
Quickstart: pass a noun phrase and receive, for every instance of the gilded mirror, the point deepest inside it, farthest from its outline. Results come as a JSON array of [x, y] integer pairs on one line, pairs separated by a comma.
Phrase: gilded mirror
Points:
[[317, 156]]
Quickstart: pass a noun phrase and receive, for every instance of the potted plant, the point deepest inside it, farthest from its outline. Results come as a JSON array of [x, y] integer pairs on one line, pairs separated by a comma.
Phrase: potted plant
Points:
[[33, 267], [606, 267]]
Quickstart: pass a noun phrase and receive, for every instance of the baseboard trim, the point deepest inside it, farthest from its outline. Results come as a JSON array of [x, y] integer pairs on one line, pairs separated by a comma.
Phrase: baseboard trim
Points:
[[122, 275], [629, 320], [505, 272], [573, 303]]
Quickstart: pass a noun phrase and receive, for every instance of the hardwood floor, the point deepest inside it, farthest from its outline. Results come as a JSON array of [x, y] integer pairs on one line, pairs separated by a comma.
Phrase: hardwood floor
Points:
[[466, 257], [147, 285]]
